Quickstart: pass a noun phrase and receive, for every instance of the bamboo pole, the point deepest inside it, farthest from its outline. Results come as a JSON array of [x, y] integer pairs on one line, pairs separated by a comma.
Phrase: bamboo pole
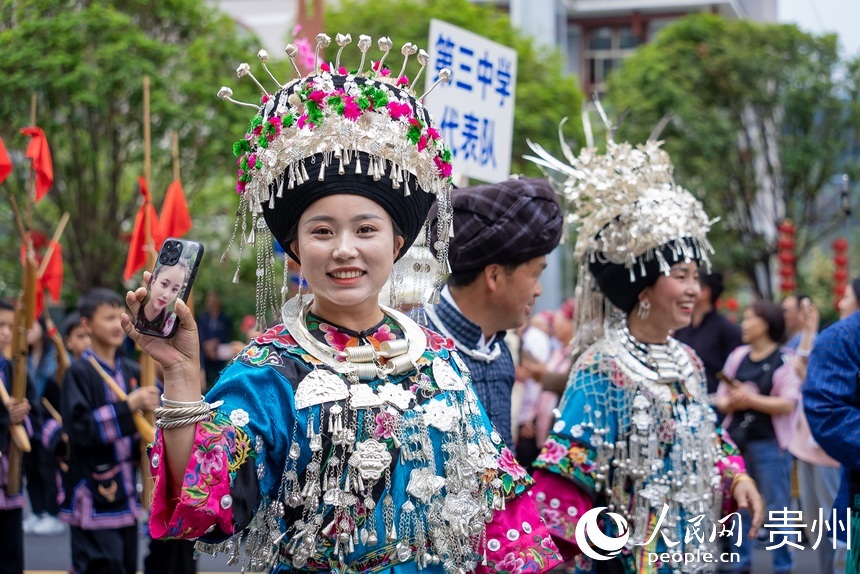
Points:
[[24, 317], [144, 428], [58, 233], [17, 431], [52, 411], [147, 364], [63, 362]]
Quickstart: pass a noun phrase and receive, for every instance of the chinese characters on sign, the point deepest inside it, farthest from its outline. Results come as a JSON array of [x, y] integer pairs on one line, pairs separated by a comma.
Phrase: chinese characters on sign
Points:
[[784, 527], [476, 109]]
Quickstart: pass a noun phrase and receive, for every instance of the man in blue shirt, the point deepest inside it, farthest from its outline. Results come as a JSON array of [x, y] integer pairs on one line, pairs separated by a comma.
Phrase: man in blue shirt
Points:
[[502, 234], [831, 401]]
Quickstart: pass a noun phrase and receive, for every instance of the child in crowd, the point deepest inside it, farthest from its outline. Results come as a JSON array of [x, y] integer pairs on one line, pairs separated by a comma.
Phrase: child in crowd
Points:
[[13, 412], [101, 502]]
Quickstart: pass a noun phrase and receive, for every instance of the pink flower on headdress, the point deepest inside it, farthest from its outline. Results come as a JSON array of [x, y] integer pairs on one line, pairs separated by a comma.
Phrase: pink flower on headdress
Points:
[[252, 161], [276, 121], [240, 187], [317, 96], [422, 143], [443, 167], [402, 81], [433, 133], [303, 120], [397, 110], [342, 71], [325, 67], [351, 110], [414, 123], [258, 130], [265, 98]]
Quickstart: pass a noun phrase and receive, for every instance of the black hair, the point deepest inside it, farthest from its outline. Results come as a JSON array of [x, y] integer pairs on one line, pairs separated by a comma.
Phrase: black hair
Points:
[[6, 305], [70, 323], [466, 278], [98, 297], [773, 316], [714, 282]]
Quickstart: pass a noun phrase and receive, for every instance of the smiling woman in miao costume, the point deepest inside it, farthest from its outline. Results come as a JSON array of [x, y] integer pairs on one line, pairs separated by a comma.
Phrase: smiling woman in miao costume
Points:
[[635, 433], [347, 438]]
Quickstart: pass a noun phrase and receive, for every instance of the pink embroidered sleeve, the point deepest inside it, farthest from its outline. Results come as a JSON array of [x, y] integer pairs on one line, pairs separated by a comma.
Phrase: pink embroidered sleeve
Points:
[[560, 503], [518, 541], [204, 502]]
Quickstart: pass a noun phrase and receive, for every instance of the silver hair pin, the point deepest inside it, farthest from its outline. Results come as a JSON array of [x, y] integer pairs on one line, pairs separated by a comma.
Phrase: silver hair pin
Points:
[[444, 78], [323, 41], [243, 70], [423, 59], [264, 57], [407, 50], [385, 44], [364, 42], [226, 93], [342, 40], [292, 51]]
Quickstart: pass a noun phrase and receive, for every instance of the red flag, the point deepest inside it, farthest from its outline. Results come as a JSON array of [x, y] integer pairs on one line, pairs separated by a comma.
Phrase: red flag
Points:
[[38, 151], [175, 219], [52, 278], [137, 249], [5, 163]]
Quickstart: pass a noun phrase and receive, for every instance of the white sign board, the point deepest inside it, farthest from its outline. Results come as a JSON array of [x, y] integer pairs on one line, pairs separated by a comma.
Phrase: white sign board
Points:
[[475, 110]]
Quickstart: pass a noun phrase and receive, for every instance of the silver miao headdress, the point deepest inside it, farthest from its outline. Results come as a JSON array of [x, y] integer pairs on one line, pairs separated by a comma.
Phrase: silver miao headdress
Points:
[[340, 117], [628, 211]]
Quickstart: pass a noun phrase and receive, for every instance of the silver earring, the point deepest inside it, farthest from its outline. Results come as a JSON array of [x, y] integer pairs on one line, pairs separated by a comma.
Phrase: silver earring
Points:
[[301, 288], [644, 309]]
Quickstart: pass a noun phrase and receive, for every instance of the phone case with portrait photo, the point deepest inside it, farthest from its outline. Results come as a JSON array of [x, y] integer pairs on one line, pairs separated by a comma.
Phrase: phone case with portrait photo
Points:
[[172, 278]]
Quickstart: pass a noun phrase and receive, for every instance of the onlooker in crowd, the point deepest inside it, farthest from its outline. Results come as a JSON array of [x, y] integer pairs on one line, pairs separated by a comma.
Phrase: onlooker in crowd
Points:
[[535, 349], [831, 402], [16, 411], [760, 402], [791, 311], [817, 474], [557, 372], [215, 328], [710, 334], [40, 465], [101, 502], [849, 302]]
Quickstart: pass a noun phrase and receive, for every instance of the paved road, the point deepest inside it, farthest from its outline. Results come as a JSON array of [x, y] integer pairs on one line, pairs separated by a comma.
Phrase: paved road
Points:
[[51, 555]]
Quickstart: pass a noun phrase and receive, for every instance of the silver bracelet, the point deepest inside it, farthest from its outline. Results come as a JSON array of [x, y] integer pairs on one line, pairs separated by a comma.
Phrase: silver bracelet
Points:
[[181, 422], [180, 404], [182, 412]]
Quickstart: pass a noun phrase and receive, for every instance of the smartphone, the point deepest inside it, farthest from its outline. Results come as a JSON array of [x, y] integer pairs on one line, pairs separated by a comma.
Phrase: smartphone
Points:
[[172, 278]]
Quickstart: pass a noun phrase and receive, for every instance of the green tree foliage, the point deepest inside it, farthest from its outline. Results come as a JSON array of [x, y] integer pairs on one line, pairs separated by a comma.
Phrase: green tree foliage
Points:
[[763, 117], [85, 60], [544, 94]]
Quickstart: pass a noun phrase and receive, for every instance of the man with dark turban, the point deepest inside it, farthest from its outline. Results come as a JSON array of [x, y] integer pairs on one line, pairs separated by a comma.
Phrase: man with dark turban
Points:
[[502, 234]]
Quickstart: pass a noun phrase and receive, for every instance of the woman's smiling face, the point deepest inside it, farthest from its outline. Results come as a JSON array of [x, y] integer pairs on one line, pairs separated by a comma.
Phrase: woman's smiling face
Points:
[[347, 246]]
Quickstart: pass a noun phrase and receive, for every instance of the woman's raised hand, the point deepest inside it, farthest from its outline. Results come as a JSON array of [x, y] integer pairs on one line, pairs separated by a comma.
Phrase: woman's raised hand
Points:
[[178, 353]]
